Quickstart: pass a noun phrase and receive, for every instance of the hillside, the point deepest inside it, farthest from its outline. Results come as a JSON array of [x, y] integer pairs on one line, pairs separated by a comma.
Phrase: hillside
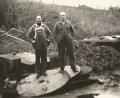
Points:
[[88, 22]]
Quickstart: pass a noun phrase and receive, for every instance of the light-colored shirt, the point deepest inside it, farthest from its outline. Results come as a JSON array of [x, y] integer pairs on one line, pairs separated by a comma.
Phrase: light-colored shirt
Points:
[[36, 31], [39, 29]]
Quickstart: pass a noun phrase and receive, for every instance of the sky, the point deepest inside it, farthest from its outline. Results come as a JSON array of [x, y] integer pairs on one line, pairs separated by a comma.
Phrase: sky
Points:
[[100, 4]]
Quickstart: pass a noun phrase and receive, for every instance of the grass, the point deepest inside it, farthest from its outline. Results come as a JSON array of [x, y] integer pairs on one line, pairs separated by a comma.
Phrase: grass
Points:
[[88, 22]]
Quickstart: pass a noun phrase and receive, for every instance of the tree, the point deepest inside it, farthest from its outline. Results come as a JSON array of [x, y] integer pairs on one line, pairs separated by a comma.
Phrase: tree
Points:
[[8, 13], [3, 11]]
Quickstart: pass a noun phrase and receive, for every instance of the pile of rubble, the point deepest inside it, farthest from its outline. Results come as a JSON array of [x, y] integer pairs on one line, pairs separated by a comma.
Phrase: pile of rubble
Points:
[[100, 58]]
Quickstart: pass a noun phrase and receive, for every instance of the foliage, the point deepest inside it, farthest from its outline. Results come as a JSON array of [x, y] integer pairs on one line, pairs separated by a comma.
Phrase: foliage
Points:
[[88, 22]]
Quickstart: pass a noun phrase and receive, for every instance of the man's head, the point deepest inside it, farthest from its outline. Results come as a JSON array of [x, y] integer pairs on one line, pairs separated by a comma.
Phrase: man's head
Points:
[[38, 19], [62, 16]]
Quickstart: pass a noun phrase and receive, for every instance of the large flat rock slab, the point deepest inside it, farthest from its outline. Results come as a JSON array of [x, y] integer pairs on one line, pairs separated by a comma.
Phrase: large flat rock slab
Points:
[[9, 57], [67, 69], [31, 86], [26, 57]]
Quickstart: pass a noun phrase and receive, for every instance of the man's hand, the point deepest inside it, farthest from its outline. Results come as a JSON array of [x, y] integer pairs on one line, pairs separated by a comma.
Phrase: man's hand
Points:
[[33, 43], [48, 42]]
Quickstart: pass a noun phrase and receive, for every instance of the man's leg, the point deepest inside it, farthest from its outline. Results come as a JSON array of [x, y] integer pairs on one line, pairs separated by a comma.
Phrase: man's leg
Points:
[[38, 52], [70, 51], [61, 52], [44, 57], [37, 62]]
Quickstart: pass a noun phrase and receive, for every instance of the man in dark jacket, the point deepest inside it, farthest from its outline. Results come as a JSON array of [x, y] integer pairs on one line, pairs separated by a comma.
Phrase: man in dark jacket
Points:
[[63, 33], [38, 35]]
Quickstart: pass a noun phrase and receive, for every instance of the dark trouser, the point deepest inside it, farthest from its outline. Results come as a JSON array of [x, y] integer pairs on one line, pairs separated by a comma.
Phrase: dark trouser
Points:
[[41, 55], [66, 43]]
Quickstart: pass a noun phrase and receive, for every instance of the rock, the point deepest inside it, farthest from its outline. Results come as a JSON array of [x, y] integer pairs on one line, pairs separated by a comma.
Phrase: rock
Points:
[[113, 78], [106, 96], [113, 84], [103, 80], [67, 93], [100, 81]]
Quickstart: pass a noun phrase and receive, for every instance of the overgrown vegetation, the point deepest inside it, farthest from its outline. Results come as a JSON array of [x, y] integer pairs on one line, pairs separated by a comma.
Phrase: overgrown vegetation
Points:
[[87, 21]]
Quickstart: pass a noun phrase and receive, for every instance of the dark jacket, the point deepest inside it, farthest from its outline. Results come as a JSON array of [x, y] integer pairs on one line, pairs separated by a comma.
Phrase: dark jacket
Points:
[[31, 32], [66, 30]]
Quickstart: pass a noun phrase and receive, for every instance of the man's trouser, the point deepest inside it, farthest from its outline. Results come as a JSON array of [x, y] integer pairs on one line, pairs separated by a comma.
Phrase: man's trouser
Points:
[[66, 44], [41, 55]]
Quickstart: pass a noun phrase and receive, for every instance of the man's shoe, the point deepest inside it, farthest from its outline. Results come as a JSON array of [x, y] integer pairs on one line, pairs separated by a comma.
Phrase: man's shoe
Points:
[[61, 71], [44, 73], [37, 75], [75, 69]]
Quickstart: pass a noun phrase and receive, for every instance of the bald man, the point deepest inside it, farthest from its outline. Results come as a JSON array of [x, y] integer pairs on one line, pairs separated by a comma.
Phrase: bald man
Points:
[[63, 33], [38, 35]]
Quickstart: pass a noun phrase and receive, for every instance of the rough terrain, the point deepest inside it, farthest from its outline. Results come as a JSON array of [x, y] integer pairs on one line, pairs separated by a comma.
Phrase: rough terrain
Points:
[[104, 60]]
